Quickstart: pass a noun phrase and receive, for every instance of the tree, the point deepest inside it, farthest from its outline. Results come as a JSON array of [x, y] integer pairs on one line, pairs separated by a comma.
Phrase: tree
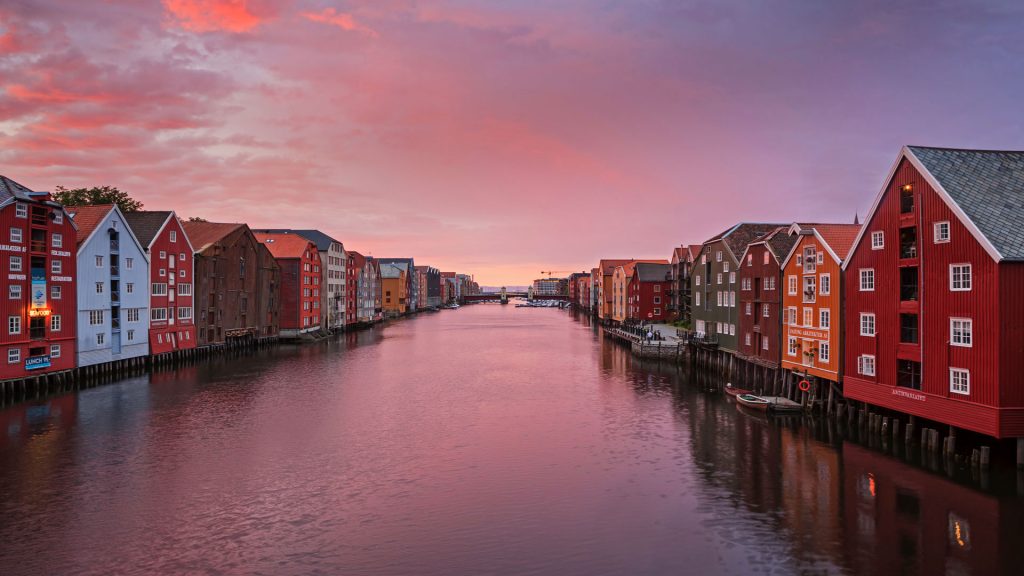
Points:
[[197, 219], [96, 195]]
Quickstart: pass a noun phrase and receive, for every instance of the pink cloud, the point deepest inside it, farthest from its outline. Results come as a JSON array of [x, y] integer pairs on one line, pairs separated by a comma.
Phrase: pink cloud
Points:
[[213, 15], [340, 19]]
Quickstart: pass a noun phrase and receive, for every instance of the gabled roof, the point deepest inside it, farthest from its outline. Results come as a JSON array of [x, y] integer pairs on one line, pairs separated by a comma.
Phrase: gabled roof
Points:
[[403, 263], [608, 266], [652, 272], [147, 224], [203, 234], [739, 236], [836, 238], [988, 188], [284, 245], [88, 218], [390, 270], [320, 239]]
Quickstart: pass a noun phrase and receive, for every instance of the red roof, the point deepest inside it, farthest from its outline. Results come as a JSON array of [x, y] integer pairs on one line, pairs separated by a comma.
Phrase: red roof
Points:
[[285, 245], [839, 237], [203, 234], [87, 218]]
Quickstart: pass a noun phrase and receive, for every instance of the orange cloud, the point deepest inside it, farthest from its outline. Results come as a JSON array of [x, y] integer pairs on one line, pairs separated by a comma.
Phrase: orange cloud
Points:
[[211, 15], [340, 19]]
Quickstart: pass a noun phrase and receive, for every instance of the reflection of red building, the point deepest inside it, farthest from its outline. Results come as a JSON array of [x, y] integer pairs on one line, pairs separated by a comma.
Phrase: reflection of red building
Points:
[[904, 520], [37, 290], [170, 252], [19, 422]]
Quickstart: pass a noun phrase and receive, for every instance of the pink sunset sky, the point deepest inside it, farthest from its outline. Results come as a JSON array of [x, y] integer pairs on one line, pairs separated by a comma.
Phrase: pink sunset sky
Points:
[[500, 138]]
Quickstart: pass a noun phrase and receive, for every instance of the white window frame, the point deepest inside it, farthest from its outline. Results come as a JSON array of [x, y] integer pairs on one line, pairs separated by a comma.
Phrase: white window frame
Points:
[[964, 327], [793, 285], [99, 261], [57, 240], [13, 355], [21, 210], [937, 229], [17, 234], [55, 351], [791, 346], [865, 274], [863, 362], [966, 277], [868, 318], [877, 240], [15, 264], [825, 318], [960, 381], [14, 292], [825, 284], [55, 323], [14, 325], [765, 310], [824, 351]]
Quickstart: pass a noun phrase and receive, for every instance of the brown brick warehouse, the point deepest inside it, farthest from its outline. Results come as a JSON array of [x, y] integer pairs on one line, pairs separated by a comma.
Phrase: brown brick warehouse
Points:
[[911, 323]]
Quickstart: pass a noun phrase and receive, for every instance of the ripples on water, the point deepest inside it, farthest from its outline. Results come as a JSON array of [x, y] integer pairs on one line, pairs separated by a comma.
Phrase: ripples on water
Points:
[[488, 440]]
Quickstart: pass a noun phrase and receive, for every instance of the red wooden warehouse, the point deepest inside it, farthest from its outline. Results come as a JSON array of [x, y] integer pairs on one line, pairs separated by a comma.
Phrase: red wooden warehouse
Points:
[[648, 292], [761, 298], [169, 249], [934, 311], [300, 281], [37, 242]]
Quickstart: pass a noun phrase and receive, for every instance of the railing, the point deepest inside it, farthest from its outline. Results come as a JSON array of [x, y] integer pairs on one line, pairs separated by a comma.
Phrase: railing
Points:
[[38, 246], [115, 270], [114, 245]]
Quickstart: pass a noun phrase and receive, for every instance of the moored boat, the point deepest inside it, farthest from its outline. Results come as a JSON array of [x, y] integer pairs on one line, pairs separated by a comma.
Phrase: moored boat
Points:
[[751, 401], [734, 391], [774, 404]]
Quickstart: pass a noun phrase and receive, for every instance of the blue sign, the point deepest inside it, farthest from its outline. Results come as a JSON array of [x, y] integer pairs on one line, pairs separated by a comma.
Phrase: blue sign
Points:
[[37, 362], [38, 290]]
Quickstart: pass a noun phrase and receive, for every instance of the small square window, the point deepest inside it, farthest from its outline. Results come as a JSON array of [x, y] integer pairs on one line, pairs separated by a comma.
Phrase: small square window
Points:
[[13, 355], [54, 350], [877, 240], [21, 211], [941, 232], [14, 291]]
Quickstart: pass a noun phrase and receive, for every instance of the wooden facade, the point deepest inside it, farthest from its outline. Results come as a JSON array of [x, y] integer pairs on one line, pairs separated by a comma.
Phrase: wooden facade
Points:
[[760, 301], [647, 292], [933, 308], [237, 284], [37, 242], [301, 282], [812, 295]]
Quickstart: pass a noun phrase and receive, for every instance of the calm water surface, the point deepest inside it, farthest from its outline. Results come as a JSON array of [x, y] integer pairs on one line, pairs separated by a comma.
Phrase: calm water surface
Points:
[[487, 440]]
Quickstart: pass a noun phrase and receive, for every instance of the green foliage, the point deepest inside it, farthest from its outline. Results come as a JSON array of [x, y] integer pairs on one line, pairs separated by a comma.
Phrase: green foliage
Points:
[[197, 219], [96, 195]]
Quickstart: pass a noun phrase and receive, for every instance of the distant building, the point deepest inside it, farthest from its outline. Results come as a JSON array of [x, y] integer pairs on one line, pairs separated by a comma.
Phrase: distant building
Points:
[[237, 284], [647, 292], [412, 286], [38, 239], [333, 283], [301, 275], [546, 287], [393, 288], [760, 298], [113, 287]]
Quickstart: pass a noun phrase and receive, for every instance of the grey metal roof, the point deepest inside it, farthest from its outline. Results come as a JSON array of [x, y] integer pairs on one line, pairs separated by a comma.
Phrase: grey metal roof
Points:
[[988, 185], [145, 225], [322, 241], [651, 272]]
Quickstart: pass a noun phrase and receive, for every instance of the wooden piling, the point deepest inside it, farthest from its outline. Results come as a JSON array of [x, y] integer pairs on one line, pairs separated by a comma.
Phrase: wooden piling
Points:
[[1020, 453], [986, 455]]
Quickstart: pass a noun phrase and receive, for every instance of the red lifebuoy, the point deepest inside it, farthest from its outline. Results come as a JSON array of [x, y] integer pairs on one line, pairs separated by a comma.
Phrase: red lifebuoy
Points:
[[805, 385]]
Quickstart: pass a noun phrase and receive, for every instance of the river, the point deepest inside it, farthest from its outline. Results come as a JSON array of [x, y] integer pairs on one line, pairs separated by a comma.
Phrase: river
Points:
[[486, 440]]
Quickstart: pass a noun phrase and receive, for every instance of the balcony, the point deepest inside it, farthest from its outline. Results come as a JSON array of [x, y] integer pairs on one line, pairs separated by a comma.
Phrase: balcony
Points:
[[37, 332], [115, 244], [908, 243], [908, 284], [115, 271]]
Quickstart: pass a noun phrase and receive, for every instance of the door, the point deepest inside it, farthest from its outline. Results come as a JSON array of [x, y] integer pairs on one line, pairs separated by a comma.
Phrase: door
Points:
[[115, 343]]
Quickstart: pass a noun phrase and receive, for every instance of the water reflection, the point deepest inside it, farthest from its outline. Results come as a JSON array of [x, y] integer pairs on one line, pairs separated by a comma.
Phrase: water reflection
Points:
[[488, 440]]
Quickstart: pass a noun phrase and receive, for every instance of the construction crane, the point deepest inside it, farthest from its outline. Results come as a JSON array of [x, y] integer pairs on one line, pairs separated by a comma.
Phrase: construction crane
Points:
[[551, 272]]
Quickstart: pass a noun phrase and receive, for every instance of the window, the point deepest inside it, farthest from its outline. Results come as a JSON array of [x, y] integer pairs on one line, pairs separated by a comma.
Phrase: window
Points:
[[866, 365], [696, 298], [732, 299], [810, 260], [58, 217], [101, 338], [824, 319], [732, 329], [99, 287], [657, 287], [132, 315], [908, 328], [163, 272], [765, 310], [55, 267], [877, 240], [696, 280], [908, 374], [764, 343], [941, 232], [808, 317], [159, 289], [129, 263], [158, 314], [732, 277], [129, 288], [14, 292], [163, 255], [750, 260], [810, 288], [20, 211], [748, 308], [15, 264], [826, 285], [657, 299], [960, 277], [792, 285], [16, 235], [184, 313], [791, 350], [95, 317], [55, 323], [55, 292], [14, 324], [181, 258], [57, 241], [718, 296], [719, 278], [174, 235], [131, 335], [766, 257], [823, 352], [725, 267], [867, 280], [959, 381], [961, 332], [54, 350], [99, 261], [718, 256], [746, 338], [657, 311], [13, 355], [184, 289], [867, 324]]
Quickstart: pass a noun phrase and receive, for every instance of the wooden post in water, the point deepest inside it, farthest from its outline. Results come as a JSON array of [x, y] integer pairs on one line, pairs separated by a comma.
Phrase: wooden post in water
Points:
[[1020, 453], [986, 456], [951, 441]]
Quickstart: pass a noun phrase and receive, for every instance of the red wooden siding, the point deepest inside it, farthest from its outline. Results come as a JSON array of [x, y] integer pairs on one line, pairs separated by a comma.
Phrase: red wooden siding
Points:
[[173, 333], [752, 269], [935, 306]]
